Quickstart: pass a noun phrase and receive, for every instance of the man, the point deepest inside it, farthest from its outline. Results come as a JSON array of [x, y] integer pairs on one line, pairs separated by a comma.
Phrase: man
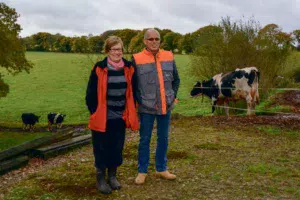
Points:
[[156, 82]]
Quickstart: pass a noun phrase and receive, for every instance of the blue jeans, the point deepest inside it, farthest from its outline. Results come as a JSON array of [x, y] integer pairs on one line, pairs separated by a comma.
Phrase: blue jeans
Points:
[[146, 127]]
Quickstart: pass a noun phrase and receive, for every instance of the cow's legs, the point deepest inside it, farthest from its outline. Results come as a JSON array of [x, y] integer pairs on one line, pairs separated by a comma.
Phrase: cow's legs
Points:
[[226, 108], [234, 106], [255, 100], [253, 108], [249, 104], [214, 103], [49, 126]]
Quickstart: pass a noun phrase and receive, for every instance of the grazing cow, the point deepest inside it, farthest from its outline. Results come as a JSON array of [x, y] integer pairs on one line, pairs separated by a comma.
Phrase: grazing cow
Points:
[[232, 86], [29, 120], [55, 118]]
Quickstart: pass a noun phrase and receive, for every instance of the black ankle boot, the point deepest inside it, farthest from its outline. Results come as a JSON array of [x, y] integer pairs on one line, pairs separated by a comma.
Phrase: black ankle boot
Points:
[[112, 179], [101, 184]]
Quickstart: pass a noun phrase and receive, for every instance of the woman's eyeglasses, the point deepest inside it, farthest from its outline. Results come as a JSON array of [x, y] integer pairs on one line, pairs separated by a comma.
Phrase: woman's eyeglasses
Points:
[[116, 50], [152, 39]]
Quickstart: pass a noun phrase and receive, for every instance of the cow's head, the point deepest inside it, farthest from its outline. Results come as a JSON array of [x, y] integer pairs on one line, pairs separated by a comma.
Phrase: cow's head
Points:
[[197, 89], [63, 116], [36, 118]]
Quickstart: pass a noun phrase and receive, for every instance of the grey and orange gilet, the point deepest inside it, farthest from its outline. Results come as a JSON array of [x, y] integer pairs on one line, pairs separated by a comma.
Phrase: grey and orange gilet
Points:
[[154, 78]]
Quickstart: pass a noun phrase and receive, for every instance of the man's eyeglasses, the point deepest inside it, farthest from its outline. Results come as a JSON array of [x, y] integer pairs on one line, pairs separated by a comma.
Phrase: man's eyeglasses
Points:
[[152, 39], [116, 50]]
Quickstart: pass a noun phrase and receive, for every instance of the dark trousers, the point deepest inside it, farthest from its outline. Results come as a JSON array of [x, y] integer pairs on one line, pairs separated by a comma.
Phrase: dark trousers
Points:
[[108, 146], [146, 128]]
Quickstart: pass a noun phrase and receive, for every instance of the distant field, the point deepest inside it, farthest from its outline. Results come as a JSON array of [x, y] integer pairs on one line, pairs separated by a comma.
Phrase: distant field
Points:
[[58, 81]]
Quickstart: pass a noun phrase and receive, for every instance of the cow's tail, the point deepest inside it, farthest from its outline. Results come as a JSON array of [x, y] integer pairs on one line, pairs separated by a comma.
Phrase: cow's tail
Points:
[[255, 82]]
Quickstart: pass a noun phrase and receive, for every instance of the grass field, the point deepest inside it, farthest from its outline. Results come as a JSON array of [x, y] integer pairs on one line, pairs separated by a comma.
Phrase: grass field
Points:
[[213, 157], [9, 138], [58, 81], [211, 160]]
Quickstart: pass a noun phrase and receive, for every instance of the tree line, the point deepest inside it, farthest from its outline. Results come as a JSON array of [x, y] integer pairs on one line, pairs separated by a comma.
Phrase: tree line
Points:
[[133, 40]]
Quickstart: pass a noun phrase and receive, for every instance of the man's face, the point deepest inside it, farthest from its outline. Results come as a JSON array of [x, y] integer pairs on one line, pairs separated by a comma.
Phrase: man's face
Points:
[[152, 42]]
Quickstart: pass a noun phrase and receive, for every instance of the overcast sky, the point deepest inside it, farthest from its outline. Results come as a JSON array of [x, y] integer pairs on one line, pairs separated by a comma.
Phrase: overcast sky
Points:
[[82, 17]]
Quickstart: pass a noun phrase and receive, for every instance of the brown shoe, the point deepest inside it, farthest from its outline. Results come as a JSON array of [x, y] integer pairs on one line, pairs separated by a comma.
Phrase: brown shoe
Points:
[[166, 175], [140, 179]]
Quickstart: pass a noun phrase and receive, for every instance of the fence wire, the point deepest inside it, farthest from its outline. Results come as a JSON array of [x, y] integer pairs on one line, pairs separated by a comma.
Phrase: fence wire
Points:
[[244, 109], [232, 88]]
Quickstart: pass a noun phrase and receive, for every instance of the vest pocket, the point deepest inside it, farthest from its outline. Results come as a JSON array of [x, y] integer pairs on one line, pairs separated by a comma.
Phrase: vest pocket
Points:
[[149, 100], [167, 68], [168, 78], [170, 97], [147, 81]]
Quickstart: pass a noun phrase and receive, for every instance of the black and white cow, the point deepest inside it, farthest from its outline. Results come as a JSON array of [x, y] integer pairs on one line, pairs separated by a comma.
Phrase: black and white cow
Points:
[[29, 120], [55, 118], [232, 86]]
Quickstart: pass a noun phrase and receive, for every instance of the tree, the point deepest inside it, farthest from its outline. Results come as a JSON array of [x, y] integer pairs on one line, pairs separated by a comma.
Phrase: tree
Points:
[[185, 44], [56, 47], [12, 52], [28, 43], [162, 33], [136, 44], [232, 45], [96, 44], [271, 34], [170, 41], [108, 33], [126, 35], [43, 41], [80, 45], [296, 37], [205, 35]]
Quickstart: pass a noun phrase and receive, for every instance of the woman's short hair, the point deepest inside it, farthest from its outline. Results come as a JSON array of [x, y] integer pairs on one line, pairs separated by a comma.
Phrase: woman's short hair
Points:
[[112, 41]]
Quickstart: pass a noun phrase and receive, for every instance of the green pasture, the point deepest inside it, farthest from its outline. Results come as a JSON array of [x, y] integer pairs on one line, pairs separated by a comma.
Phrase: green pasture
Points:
[[58, 81], [9, 138]]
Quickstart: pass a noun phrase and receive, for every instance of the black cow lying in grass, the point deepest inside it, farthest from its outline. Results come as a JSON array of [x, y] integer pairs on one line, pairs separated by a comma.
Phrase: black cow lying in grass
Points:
[[29, 120], [55, 118]]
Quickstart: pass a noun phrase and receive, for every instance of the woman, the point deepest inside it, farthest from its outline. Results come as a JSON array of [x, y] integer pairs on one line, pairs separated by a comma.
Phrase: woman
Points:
[[109, 98]]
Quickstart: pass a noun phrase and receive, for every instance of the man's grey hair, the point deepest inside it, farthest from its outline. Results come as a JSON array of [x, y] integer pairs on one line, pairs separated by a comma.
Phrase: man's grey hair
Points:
[[150, 30]]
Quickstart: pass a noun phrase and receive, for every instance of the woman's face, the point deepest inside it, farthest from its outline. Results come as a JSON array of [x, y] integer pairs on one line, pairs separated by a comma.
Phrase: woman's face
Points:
[[116, 52]]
